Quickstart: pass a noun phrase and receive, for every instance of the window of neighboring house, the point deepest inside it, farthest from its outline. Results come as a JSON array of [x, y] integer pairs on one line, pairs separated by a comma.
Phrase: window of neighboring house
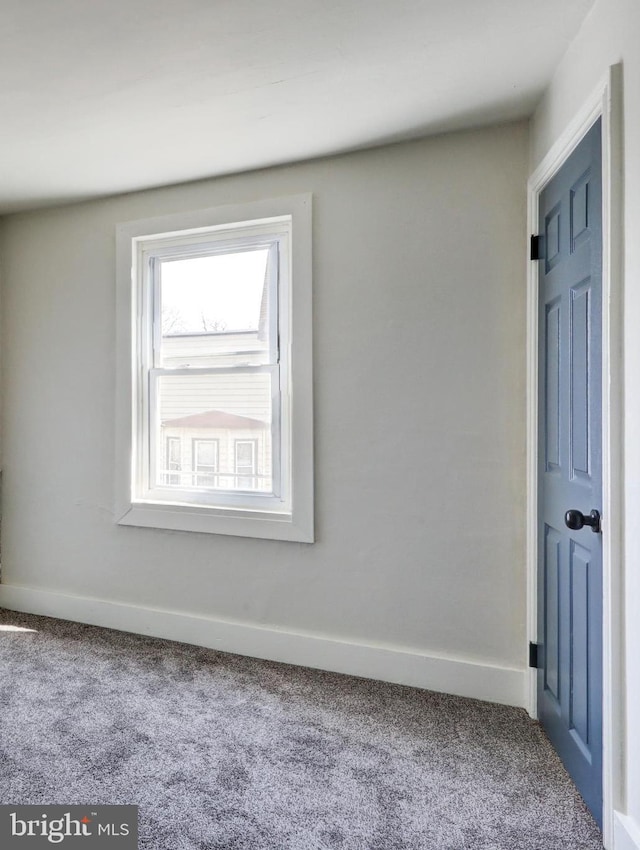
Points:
[[205, 463], [214, 311], [173, 461], [245, 462]]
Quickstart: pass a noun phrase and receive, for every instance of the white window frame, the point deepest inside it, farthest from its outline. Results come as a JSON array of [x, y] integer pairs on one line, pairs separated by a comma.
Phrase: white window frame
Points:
[[149, 252], [288, 514]]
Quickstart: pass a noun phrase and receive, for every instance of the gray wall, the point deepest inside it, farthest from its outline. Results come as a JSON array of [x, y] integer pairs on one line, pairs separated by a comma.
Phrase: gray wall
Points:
[[419, 322]]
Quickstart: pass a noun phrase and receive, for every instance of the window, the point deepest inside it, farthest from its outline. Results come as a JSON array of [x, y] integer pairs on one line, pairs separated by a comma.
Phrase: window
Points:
[[214, 422], [245, 452], [205, 463], [173, 462]]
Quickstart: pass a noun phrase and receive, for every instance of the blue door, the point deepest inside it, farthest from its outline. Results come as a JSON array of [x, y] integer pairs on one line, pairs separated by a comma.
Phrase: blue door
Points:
[[570, 467]]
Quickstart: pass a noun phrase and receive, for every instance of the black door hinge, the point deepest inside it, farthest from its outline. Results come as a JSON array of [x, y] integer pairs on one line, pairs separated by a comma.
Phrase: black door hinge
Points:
[[534, 654], [536, 248]]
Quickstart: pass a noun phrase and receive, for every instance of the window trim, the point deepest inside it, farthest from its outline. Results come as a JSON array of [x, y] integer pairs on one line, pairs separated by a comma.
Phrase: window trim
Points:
[[297, 522]]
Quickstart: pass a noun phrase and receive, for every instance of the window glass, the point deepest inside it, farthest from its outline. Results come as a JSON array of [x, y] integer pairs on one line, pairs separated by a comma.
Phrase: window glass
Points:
[[173, 463], [214, 306], [205, 463], [245, 451], [230, 410]]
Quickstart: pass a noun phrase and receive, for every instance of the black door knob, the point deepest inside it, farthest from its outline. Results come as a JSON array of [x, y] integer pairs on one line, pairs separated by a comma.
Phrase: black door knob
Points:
[[575, 520]]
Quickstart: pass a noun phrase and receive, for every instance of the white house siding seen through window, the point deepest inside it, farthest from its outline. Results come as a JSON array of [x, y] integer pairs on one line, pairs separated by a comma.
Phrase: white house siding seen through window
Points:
[[223, 408]]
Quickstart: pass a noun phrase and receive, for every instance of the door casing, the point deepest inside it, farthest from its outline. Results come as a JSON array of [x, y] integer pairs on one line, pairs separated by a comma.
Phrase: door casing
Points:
[[605, 102]]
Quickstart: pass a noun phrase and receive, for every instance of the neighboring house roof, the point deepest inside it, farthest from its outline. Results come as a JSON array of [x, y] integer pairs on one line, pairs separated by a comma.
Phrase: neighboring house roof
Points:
[[214, 419]]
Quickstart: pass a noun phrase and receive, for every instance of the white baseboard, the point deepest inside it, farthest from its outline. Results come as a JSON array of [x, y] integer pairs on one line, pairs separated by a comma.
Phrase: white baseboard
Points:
[[387, 663], [626, 832]]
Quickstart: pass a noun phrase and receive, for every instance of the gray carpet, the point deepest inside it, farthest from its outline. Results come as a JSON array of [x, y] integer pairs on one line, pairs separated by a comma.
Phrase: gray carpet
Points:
[[221, 751]]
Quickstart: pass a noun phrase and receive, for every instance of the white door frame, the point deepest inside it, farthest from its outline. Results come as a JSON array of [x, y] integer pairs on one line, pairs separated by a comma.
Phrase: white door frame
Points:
[[605, 102]]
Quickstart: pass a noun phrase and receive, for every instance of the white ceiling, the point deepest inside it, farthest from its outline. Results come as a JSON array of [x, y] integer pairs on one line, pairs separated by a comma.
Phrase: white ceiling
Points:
[[103, 96]]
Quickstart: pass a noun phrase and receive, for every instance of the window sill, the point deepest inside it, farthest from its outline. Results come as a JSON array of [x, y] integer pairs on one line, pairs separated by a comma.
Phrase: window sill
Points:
[[260, 524]]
